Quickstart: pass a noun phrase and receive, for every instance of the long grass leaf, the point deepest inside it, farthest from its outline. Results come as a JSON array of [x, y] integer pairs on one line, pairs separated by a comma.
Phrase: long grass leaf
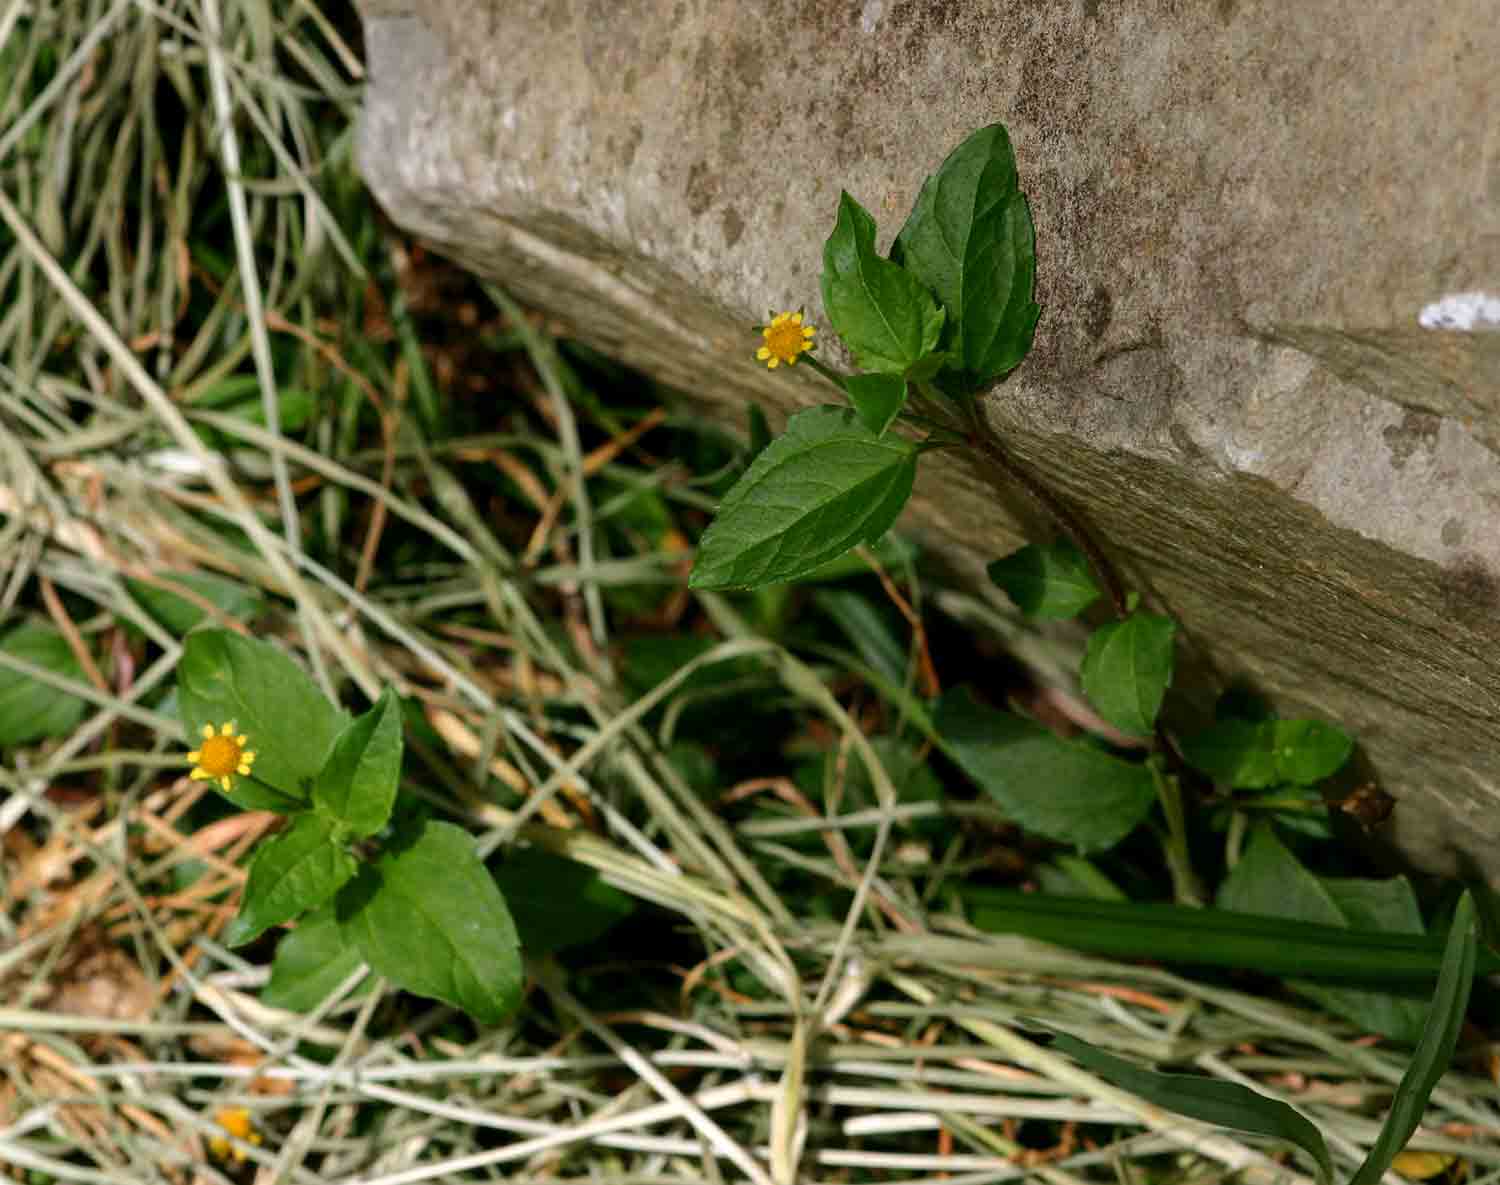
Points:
[[1430, 1062], [1225, 1104], [1215, 938]]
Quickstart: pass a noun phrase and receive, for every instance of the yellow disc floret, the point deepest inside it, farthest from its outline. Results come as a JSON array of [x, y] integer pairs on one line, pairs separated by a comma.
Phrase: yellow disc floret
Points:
[[786, 338], [221, 756], [236, 1121]]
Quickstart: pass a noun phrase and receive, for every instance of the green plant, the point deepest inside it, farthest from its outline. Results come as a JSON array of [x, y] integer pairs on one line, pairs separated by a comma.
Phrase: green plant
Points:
[[948, 313], [406, 894]]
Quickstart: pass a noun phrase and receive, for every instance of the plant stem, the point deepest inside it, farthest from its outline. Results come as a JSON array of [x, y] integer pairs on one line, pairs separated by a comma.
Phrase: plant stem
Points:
[[827, 372], [982, 437], [1234, 838], [1186, 888]]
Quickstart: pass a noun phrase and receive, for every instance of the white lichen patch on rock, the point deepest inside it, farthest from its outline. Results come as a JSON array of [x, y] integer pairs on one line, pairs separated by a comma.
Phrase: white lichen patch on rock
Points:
[[1462, 310]]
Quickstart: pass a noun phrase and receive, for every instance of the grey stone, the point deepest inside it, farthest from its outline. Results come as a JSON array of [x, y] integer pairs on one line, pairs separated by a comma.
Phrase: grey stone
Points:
[[1241, 210]]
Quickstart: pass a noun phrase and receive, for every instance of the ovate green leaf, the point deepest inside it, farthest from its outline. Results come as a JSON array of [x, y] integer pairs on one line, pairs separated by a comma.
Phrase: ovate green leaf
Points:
[[296, 870], [1445, 1017], [1064, 790], [884, 315], [969, 238], [826, 485], [357, 784], [1307, 751], [1208, 1100], [310, 962], [1127, 668], [1238, 753], [428, 917], [289, 723], [878, 398], [1270, 881], [1251, 754], [29, 708], [1389, 906], [1046, 580]]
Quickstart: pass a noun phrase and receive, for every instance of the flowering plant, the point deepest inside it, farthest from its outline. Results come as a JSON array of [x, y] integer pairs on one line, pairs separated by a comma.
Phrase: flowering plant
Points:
[[336, 779], [948, 312]]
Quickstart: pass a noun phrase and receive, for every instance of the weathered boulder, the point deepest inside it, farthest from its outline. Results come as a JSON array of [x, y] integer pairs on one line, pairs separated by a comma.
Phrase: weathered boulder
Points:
[[1242, 210]]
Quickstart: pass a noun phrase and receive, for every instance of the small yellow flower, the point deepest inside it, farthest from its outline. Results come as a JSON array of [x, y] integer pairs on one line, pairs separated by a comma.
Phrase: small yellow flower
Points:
[[786, 337], [221, 756], [236, 1121]]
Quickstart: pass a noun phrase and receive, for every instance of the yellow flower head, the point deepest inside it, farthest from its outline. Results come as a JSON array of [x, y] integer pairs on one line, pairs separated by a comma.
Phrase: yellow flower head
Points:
[[236, 1121], [786, 337], [221, 756]]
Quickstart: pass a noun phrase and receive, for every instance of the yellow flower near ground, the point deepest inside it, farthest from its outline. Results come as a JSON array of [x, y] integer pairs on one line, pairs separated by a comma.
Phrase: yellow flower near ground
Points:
[[1422, 1166], [221, 756], [786, 338], [236, 1121]]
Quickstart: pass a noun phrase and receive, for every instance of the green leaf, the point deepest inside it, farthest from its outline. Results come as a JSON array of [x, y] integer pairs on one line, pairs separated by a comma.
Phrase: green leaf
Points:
[[29, 708], [884, 315], [1270, 881], [1389, 906], [290, 724], [1127, 669], [1307, 751], [240, 397], [1254, 752], [1238, 753], [1208, 1100], [296, 870], [557, 903], [357, 784], [826, 485], [1065, 790], [310, 962], [1196, 937], [1445, 1017], [179, 614], [878, 398], [428, 917], [1046, 580], [969, 238]]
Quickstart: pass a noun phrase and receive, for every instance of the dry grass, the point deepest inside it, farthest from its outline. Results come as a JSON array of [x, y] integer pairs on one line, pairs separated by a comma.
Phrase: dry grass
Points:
[[888, 1043]]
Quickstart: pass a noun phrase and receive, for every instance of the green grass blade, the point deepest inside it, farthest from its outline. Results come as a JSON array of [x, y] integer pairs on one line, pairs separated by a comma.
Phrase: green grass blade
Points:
[[1215, 938], [1430, 1062], [1225, 1104]]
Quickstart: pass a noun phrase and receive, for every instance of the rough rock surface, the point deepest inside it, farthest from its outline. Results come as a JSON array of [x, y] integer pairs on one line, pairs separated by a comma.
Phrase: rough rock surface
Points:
[[1242, 209]]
